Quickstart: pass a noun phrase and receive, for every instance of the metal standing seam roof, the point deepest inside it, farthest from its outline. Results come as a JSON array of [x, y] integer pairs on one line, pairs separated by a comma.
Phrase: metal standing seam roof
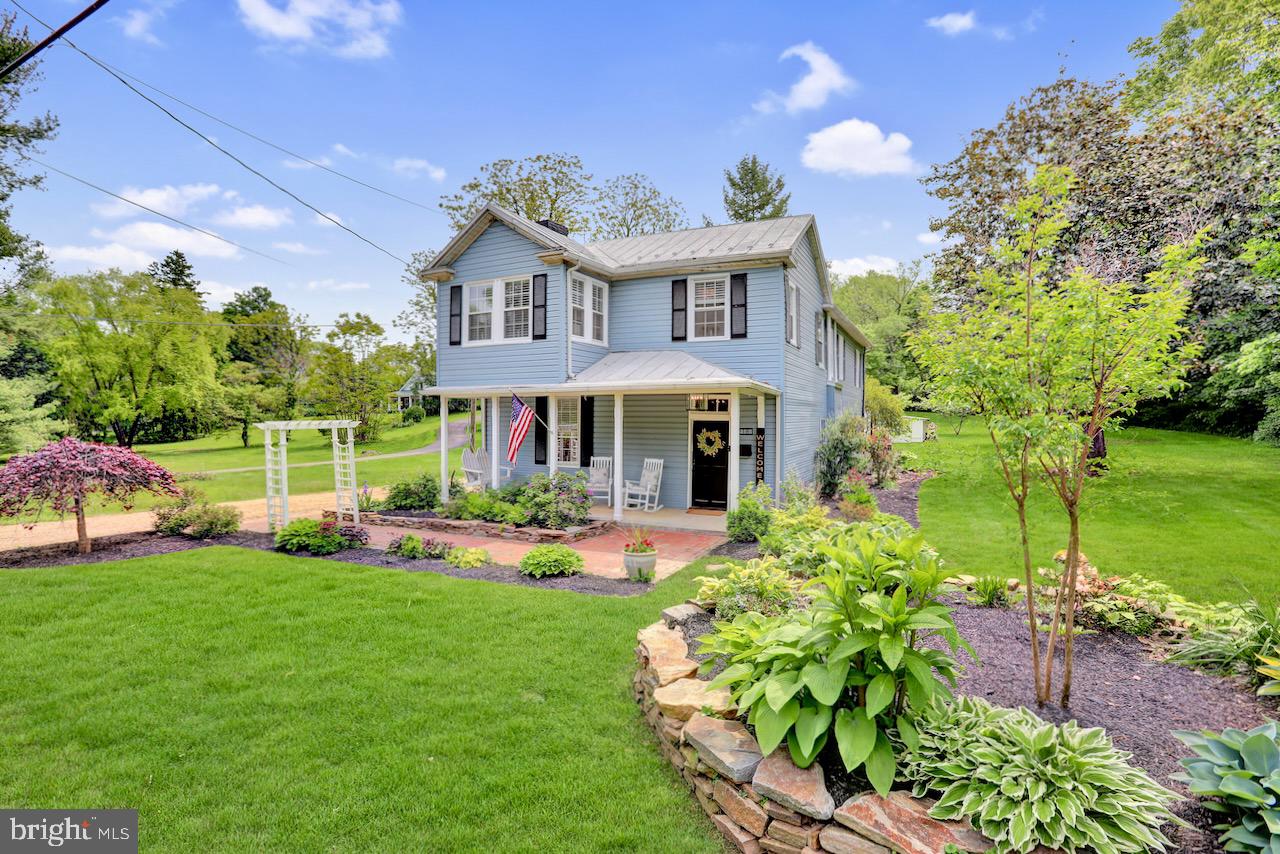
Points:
[[705, 244], [643, 367]]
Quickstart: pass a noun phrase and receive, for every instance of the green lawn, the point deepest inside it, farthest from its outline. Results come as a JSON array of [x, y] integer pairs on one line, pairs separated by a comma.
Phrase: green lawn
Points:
[[251, 701], [1199, 512]]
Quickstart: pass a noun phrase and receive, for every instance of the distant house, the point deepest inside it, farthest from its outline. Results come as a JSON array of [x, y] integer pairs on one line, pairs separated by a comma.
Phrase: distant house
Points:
[[412, 393], [717, 350]]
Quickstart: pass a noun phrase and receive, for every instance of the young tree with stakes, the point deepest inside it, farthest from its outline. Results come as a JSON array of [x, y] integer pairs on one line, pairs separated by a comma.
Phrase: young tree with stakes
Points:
[[63, 474]]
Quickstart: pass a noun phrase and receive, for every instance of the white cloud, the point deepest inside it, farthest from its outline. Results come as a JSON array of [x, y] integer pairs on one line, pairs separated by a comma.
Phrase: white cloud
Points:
[[864, 265], [929, 238], [258, 217], [298, 248], [855, 147], [335, 285], [825, 78], [303, 164], [339, 148], [414, 167], [137, 23], [954, 23], [101, 257], [163, 237], [320, 220], [219, 292], [170, 200], [352, 29]]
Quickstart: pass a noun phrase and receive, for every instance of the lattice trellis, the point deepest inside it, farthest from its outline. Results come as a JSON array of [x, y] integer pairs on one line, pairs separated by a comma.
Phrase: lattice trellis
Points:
[[276, 444]]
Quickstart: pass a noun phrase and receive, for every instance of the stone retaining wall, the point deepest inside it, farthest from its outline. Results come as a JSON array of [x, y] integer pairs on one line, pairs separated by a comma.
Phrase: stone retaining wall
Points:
[[476, 528], [765, 803]]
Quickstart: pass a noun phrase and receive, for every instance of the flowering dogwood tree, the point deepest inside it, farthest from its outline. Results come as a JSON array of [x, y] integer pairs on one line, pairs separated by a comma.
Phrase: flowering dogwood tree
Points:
[[62, 474]]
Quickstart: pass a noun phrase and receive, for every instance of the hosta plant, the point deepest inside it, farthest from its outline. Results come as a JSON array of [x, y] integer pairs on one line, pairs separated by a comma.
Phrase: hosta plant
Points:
[[850, 666], [1254, 632], [1238, 775], [1269, 675], [760, 585], [1023, 782]]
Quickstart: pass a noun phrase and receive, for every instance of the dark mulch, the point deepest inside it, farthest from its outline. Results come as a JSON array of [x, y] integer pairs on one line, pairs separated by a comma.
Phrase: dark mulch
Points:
[[127, 546], [903, 499], [737, 551]]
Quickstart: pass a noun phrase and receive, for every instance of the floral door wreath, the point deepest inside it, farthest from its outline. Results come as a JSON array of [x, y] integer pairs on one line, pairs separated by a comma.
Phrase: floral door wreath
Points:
[[710, 442]]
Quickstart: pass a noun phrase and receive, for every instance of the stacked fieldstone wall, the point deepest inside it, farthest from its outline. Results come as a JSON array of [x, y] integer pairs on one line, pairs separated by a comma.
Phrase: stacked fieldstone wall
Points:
[[765, 803], [476, 528]]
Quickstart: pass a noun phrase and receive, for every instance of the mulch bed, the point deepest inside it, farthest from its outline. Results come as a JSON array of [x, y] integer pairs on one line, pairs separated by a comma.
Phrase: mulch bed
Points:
[[125, 546], [904, 498]]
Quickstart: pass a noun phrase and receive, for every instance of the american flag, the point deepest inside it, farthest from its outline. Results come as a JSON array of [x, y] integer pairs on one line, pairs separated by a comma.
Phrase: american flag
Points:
[[521, 418]]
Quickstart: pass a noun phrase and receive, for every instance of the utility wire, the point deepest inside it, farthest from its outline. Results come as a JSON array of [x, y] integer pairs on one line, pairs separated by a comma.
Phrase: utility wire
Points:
[[51, 38], [162, 108], [154, 211], [265, 142]]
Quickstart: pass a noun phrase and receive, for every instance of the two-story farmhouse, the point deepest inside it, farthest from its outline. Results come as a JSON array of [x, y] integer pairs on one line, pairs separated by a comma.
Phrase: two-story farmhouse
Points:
[[716, 350]]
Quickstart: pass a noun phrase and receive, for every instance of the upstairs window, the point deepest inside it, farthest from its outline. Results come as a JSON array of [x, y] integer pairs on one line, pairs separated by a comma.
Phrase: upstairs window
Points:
[[589, 309], [793, 311], [512, 301], [709, 300], [479, 312], [515, 320]]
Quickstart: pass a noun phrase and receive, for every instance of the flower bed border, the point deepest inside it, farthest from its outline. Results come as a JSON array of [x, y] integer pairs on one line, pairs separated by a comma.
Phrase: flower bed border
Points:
[[477, 528], [766, 803]]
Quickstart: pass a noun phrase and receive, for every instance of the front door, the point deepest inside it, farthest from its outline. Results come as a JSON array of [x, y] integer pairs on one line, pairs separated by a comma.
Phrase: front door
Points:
[[709, 473]]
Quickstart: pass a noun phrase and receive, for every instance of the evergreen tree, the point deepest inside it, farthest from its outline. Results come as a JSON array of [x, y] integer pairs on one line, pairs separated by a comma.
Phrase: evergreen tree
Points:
[[753, 191], [175, 271]]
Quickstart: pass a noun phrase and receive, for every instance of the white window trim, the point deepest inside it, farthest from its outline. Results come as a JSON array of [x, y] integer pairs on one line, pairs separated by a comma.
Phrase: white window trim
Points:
[[689, 314], [497, 311], [822, 330], [589, 283], [793, 308], [576, 461]]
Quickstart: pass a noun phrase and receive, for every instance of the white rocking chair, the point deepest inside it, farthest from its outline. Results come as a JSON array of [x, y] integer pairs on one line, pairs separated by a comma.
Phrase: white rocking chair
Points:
[[475, 468], [600, 479], [642, 494]]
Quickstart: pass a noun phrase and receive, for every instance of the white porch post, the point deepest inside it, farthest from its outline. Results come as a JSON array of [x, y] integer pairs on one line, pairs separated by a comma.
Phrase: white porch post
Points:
[[777, 448], [617, 457], [735, 461], [759, 426], [553, 424], [493, 443], [444, 449]]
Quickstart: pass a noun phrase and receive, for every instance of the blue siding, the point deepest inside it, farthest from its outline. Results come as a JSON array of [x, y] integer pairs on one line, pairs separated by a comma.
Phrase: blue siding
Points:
[[805, 384], [850, 394], [640, 319], [502, 252]]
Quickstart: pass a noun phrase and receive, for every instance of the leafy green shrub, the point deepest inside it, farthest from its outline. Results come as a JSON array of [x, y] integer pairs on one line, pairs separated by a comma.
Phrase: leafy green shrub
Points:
[[763, 586], [413, 415], [413, 547], [355, 535], [854, 662], [558, 501], [1118, 613], [1240, 772], [551, 559], [797, 496], [310, 535], [842, 445], [857, 504], [1234, 648], [882, 460], [1023, 782], [884, 408], [1197, 616], [485, 506], [750, 521], [990, 591], [467, 558], [189, 514], [415, 493]]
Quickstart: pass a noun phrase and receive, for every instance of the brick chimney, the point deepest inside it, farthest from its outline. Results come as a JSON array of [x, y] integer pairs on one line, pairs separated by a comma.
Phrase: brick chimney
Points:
[[554, 226]]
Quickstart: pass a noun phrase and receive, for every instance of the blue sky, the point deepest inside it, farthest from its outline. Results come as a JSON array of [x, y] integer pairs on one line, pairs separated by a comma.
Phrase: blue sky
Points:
[[851, 101]]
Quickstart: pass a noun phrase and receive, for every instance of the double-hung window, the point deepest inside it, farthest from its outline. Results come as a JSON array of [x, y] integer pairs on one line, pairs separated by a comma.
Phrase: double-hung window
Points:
[[589, 309], [511, 300], [793, 311], [709, 298], [568, 430]]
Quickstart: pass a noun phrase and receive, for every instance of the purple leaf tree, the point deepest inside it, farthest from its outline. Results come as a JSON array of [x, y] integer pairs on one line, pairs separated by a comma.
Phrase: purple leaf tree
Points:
[[62, 474]]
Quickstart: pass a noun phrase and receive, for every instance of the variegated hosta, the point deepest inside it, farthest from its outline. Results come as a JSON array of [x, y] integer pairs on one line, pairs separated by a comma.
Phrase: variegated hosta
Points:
[[1024, 782], [1240, 773], [852, 664]]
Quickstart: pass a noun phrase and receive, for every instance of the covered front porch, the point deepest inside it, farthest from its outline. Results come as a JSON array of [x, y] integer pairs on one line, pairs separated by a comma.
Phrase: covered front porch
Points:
[[667, 439]]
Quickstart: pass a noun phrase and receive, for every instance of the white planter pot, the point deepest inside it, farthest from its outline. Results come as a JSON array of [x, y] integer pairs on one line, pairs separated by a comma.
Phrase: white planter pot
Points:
[[639, 564]]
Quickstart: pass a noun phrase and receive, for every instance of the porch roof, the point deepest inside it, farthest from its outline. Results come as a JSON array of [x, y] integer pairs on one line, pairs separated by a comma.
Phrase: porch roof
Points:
[[638, 372]]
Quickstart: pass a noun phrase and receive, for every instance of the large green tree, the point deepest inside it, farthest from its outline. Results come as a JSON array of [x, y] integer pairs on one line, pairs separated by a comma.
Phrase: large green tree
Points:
[[753, 191], [174, 271], [27, 415], [127, 352], [544, 186], [630, 205], [271, 338], [886, 307], [354, 372]]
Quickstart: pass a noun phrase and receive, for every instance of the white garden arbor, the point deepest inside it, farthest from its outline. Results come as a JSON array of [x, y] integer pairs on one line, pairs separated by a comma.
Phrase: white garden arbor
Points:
[[276, 442]]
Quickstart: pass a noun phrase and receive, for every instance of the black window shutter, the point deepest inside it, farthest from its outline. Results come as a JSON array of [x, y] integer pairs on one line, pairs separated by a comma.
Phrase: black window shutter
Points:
[[540, 431], [679, 309], [455, 314], [587, 428], [738, 305], [540, 307]]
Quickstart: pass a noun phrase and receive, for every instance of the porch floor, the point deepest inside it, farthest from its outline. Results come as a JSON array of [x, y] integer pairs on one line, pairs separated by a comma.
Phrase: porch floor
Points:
[[667, 517]]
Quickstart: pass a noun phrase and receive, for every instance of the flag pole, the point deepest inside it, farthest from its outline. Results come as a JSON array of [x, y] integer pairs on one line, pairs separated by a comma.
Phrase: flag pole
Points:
[[532, 409]]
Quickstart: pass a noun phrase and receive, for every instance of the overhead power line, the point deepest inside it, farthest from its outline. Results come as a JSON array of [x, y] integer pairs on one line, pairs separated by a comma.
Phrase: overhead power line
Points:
[[162, 108], [154, 211], [51, 38]]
